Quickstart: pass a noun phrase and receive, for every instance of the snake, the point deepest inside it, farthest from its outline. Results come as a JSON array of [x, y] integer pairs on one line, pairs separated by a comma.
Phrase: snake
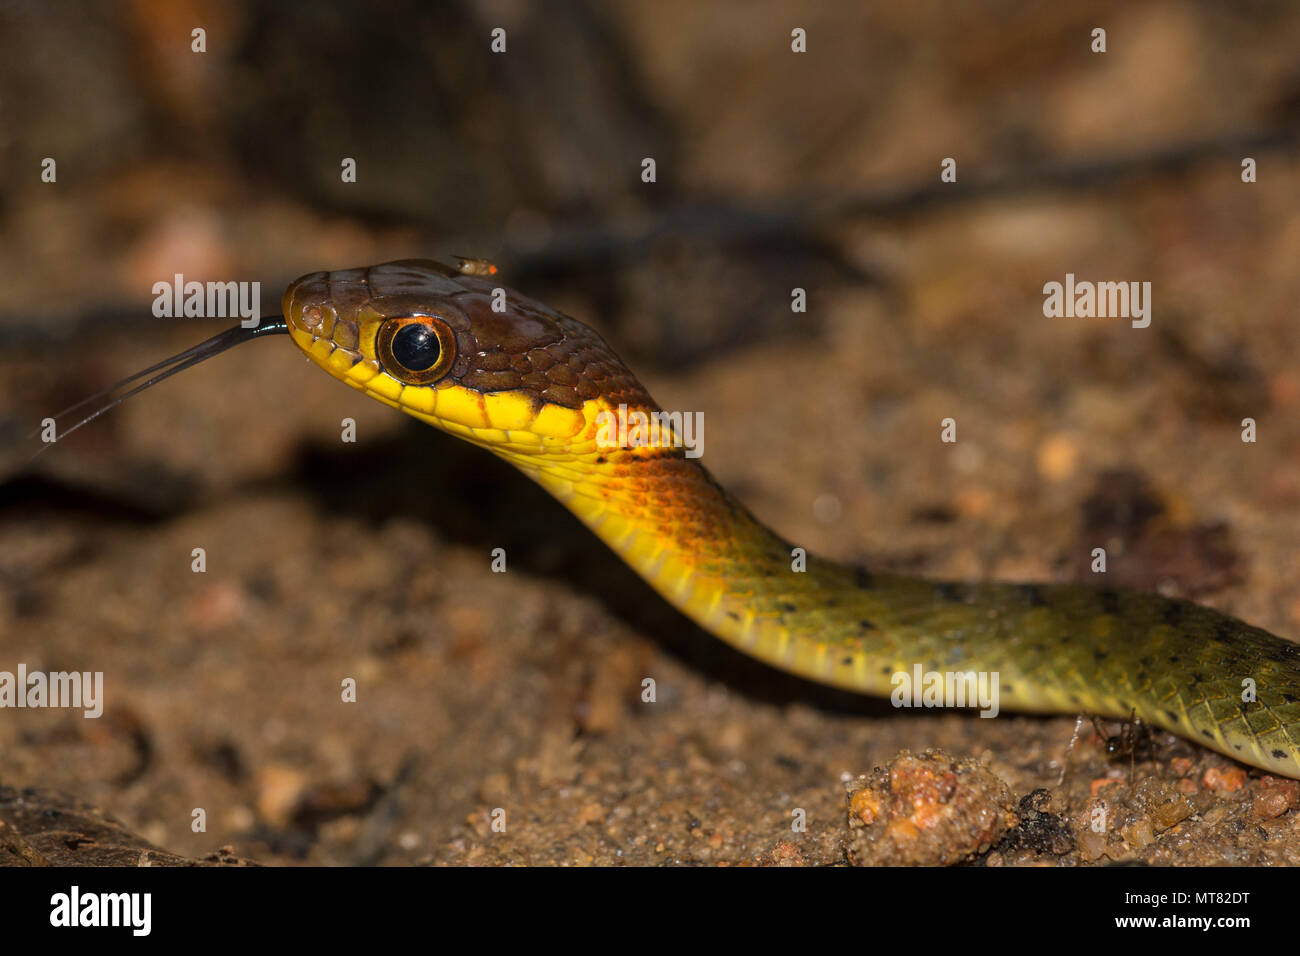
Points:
[[449, 345]]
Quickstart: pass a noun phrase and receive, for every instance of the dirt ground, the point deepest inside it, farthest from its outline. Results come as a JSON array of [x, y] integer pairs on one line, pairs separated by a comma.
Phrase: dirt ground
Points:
[[485, 697]]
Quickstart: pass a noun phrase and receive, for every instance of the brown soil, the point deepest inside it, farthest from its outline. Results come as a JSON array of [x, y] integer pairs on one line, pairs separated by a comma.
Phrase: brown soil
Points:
[[486, 698]]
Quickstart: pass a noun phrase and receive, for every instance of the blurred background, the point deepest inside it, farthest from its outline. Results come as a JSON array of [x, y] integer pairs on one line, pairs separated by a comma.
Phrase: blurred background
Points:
[[775, 170]]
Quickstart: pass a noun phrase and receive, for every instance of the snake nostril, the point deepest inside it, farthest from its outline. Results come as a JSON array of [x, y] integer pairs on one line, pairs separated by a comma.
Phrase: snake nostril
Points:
[[311, 316]]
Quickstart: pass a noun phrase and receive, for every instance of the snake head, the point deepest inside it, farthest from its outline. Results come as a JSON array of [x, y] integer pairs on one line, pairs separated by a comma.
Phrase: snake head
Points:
[[455, 348]]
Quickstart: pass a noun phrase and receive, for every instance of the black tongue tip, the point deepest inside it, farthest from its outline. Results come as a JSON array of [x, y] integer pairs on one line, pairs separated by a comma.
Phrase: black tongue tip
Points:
[[270, 325]]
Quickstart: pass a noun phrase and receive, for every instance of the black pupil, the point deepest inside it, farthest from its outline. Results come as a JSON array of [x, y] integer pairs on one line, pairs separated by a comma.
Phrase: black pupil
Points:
[[416, 347]]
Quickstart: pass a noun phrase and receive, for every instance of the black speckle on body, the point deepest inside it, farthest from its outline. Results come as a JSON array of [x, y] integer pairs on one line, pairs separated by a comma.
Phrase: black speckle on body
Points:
[[947, 591]]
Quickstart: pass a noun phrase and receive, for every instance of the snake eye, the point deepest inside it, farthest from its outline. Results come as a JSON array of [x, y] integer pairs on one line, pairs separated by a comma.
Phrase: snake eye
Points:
[[416, 349]]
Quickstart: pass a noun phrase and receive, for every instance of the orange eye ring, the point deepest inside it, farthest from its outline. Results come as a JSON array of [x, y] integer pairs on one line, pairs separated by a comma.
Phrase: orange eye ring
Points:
[[416, 349]]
